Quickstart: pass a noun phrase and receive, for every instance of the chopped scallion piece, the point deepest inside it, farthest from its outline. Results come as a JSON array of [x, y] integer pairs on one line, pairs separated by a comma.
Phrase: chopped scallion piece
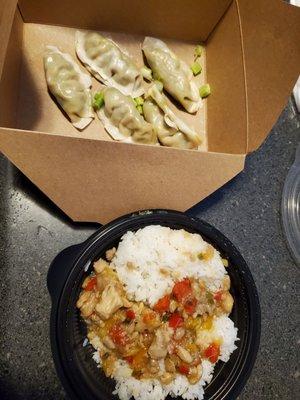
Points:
[[225, 262], [140, 109], [196, 68], [205, 91], [139, 101], [98, 100], [198, 50]]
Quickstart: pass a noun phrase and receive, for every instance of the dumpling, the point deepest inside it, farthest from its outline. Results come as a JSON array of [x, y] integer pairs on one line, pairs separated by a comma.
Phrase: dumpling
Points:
[[122, 120], [108, 63], [175, 74], [69, 85], [170, 129], [167, 135]]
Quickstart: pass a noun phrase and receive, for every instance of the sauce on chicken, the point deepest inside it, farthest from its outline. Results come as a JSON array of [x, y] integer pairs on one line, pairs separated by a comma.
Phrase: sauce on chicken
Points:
[[157, 342]]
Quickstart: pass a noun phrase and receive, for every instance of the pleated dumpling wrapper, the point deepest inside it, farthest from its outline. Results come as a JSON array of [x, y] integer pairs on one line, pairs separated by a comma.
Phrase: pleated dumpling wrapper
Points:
[[122, 120], [108, 63], [175, 74], [69, 85], [170, 129]]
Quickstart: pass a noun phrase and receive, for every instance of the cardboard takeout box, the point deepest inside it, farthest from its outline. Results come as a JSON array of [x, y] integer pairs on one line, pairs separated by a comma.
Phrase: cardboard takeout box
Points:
[[251, 60]]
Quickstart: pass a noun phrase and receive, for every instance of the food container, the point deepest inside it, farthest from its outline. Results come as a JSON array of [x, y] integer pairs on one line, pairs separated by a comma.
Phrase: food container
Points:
[[75, 366], [251, 60], [290, 208]]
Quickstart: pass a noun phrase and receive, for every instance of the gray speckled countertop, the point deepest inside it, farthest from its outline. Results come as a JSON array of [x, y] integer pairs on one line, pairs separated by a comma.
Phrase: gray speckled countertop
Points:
[[247, 210]]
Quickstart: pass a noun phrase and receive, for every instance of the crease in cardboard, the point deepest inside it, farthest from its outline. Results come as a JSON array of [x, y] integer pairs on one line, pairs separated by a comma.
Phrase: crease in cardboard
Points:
[[86, 190], [245, 75], [7, 15]]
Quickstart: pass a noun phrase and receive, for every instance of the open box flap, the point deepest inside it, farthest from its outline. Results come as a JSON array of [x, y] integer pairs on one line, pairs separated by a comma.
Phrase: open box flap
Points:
[[7, 12], [83, 179], [271, 43], [167, 18]]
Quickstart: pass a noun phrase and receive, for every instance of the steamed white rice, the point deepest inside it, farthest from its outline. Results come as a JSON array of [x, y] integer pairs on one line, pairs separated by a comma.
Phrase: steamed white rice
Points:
[[149, 250], [154, 248]]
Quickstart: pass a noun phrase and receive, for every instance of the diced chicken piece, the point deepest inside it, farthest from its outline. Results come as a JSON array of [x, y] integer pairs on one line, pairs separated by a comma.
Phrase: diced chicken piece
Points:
[[195, 374], [84, 296], [169, 365], [154, 366], [227, 302], [110, 254], [94, 340], [108, 365], [179, 333], [127, 303], [184, 354], [107, 341], [226, 282], [100, 265], [159, 346], [87, 303], [95, 318], [107, 277], [110, 302], [166, 378], [148, 320]]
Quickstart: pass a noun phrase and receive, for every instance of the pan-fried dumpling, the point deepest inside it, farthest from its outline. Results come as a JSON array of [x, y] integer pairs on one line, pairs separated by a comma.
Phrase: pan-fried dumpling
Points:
[[122, 120], [170, 129], [108, 63], [69, 85], [175, 74]]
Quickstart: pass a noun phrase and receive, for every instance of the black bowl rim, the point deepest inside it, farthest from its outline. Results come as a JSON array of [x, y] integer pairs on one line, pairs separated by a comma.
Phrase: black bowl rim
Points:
[[72, 255]]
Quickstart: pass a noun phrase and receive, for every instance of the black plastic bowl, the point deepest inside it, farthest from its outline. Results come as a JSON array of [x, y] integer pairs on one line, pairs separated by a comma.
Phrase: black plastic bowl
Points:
[[75, 367]]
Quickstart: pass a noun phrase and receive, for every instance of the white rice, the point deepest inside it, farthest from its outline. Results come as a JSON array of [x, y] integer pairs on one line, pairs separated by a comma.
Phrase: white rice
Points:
[[156, 247], [127, 386], [149, 250]]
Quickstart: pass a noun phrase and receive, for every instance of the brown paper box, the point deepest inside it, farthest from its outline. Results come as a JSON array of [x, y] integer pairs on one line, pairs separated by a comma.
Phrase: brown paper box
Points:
[[251, 60]]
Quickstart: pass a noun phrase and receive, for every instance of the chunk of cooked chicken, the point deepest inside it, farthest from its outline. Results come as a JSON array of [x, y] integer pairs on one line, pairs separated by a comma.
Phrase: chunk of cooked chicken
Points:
[[94, 340], [195, 374], [87, 302], [100, 265], [166, 378], [226, 282], [107, 341], [110, 302], [110, 254], [184, 354], [170, 365], [227, 302], [106, 277], [159, 346]]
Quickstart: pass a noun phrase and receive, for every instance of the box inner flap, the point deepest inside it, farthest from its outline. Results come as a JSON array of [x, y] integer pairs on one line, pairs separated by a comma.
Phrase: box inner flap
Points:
[[184, 20], [271, 41], [7, 12], [9, 81], [123, 178]]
